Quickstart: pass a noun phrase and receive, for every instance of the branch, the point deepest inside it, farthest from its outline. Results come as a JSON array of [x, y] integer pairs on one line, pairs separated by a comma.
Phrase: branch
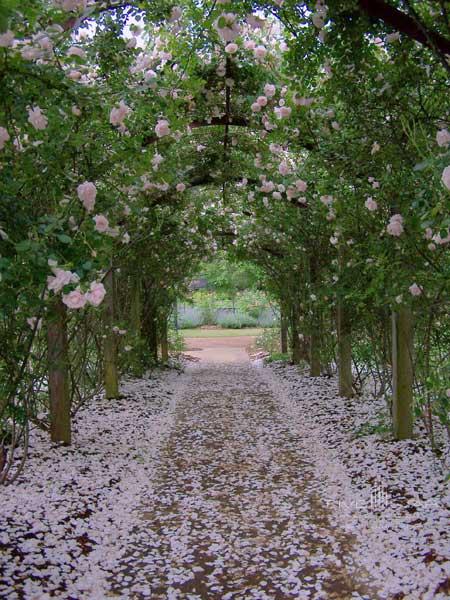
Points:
[[442, 57], [382, 11], [215, 121], [75, 21]]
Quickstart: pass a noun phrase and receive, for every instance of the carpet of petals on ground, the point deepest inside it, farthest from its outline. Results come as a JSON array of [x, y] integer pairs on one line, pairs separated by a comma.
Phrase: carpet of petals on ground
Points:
[[227, 481]]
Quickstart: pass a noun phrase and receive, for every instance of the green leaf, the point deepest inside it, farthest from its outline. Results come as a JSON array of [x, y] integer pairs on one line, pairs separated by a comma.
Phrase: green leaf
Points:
[[23, 246], [64, 239]]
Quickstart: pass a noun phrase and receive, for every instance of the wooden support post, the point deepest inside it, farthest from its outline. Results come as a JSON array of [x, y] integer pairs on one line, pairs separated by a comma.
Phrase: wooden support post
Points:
[[58, 374], [295, 341], [152, 334], [164, 340], [283, 330], [315, 339], [402, 373], [344, 351], [136, 305], [111, 374], [175, 315], [315, 368]]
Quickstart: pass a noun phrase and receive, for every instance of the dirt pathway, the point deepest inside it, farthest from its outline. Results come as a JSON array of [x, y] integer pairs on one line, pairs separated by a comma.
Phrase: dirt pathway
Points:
[[220, 349], [236, 513]]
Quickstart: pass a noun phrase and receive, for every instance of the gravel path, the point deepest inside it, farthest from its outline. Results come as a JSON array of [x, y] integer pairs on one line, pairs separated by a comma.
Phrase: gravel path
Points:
[[236, 512]]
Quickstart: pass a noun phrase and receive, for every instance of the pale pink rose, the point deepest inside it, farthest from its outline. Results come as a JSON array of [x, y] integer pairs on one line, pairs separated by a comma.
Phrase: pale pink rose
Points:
[[428, 233], [76, 111], [284, 168], [250, 45], [181, 187], [255, 22], [60, 278], [156, 161], [73, 5], [231, 48], [86, 193], [291, 192], [177, 12], [446, 177], [283, 112], [443, 137], [74, 75], [415, 290], [118, 115], [4, 137], [375, 148], [267, 187], [75, 299], [327, 200], [260, 52], [256, 107], [393, 37], [96, 293], [6, 39], [76, 51], [45, 43], [395, 226], [318, 20], [262, 100], [162, 128], [301, 185], [441, 240], [371, 205], [30, 52], [150, 75], [101, 223], [37, 118], [230, 31], [270, 90]]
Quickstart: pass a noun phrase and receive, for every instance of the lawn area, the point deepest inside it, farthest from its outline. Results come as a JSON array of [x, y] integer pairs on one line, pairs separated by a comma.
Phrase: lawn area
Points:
[[214, 333]]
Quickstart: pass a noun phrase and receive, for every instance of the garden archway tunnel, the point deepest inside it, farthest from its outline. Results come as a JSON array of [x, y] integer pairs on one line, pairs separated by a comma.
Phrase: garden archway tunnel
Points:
[[139, 139]]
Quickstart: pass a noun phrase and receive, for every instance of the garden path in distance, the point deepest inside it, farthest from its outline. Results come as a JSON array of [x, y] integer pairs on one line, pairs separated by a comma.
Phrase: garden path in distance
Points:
[[221, 349]]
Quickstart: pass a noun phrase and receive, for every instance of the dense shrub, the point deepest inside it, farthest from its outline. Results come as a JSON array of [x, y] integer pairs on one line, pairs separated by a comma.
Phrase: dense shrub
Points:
[[236, 320], [190, 318]]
